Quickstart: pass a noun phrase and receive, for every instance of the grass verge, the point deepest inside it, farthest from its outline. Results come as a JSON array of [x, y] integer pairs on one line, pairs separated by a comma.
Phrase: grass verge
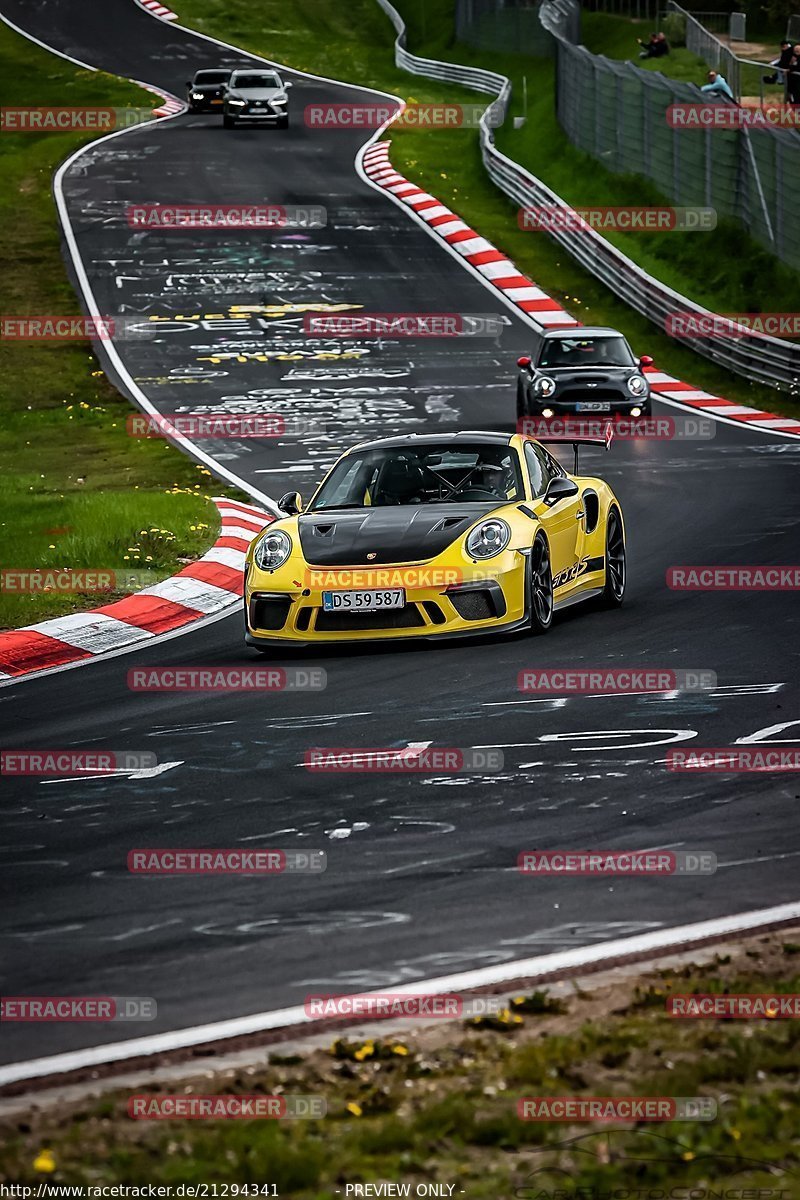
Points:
[[615, 37], [724, 269], [440, 1104], [75, 490]]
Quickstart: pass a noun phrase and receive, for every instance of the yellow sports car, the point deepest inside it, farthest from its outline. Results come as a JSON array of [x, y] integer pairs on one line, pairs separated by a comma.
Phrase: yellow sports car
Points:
[[435, 536]]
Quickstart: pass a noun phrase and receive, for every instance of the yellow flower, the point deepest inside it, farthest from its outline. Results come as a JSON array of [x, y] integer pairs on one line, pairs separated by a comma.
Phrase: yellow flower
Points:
[[399, 1048], [687, 1156], [355, 1109], [44, 1161]]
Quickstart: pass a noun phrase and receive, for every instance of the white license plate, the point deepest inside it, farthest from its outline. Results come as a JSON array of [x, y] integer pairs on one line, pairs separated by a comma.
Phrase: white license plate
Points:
[[592, 406], [371, 600]]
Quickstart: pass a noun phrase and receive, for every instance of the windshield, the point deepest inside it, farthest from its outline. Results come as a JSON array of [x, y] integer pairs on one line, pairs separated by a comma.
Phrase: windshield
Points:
[[256, 81], [427, 474], [212, 76], [609, 351]]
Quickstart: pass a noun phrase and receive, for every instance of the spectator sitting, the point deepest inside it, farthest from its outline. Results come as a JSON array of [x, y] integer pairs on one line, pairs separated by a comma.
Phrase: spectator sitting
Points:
[[717, 86], [661, 46], [648, 51], [781, 63]]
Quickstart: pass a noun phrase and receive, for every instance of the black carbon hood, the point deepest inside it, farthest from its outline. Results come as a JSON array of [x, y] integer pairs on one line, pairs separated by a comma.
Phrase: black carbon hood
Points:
[[404, 533]]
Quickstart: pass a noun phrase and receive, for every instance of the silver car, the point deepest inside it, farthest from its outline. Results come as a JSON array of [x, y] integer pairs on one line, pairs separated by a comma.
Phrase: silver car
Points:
[[256, 95]]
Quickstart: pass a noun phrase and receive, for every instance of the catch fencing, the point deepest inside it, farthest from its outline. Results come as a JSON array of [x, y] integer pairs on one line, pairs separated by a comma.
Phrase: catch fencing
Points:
[[760, 358]]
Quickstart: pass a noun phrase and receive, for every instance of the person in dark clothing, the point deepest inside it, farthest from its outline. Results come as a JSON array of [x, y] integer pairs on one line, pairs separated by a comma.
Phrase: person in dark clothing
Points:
[[793, 79], [647, 48], [781, 63], [661, 46]]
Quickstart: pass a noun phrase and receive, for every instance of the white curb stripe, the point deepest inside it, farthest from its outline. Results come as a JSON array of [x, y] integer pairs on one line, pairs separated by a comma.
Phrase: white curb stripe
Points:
[[679, 938]]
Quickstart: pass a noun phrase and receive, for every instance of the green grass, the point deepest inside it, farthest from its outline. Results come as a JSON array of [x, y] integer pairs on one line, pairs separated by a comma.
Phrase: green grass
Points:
[[615, 37], [439, 1104], [75, 489], [725, 268]]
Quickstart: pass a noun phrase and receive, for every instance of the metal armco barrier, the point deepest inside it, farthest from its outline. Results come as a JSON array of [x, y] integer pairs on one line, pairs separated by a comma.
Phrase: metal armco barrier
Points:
[[760, 358]]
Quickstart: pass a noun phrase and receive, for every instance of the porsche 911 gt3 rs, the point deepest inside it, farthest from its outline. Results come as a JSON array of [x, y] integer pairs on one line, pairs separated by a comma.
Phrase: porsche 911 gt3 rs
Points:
[[435, 536]]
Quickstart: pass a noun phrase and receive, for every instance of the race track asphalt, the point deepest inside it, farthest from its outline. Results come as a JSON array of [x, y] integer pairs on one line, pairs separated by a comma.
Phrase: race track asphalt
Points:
[[421, 876]]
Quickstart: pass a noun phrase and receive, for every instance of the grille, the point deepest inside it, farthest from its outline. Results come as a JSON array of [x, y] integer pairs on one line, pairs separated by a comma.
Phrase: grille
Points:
[[408, 617], [435, 614], [269, 613], [472, 606], [304, 618]]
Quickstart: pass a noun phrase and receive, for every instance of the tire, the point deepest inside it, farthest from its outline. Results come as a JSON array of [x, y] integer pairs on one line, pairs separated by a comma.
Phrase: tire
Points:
[[522, 402], [541, 586], [613, 592], [228, 122]]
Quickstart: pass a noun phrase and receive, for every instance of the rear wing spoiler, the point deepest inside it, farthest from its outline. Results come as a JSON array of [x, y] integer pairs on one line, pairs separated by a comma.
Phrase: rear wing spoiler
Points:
[[605, 438]]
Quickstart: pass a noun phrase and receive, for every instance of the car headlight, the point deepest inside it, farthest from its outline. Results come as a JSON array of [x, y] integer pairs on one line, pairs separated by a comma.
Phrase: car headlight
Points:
[[488, 538], [636, 385], [278, 99], [273, 550], [197, 96], [544, 386], [238, 103]]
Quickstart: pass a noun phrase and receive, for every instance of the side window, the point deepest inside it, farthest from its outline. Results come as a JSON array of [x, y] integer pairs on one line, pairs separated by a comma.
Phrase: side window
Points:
[[554, 466], [540, 477]]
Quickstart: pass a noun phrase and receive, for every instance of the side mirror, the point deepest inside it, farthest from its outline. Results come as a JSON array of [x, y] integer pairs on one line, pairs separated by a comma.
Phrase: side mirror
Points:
[[287, 84], [524, 361], [291, 504], [559, 489], [645, 361]]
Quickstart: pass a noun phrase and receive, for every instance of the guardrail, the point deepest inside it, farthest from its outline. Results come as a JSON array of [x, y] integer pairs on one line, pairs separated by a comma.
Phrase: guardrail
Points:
[[757, 357]]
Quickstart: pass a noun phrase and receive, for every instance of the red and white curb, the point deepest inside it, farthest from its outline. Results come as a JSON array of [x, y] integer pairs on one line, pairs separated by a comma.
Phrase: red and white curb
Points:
[[207, 586], [501, 273], [171, 105], [498, 270], [158, 9], [670, 388]]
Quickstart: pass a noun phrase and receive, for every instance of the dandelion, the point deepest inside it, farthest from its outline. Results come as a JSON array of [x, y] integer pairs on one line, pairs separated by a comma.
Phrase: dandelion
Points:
[[354, 1108], [44, 1161]]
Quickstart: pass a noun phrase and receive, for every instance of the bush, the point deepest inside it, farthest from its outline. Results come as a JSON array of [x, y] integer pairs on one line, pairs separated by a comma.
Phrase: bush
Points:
[[674, 26]]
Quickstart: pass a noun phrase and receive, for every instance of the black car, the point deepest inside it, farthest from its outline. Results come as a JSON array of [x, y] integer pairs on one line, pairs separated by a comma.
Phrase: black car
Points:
[[205, 93], [582, 371]]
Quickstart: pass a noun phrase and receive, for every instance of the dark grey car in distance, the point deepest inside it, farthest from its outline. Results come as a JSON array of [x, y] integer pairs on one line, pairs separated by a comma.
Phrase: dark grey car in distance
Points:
[[205, 93], [255, 95], [584, 370]]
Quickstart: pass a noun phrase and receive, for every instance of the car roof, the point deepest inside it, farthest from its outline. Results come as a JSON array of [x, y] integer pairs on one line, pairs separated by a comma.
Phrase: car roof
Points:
[[466, 437], [213, 71], [582, 331]]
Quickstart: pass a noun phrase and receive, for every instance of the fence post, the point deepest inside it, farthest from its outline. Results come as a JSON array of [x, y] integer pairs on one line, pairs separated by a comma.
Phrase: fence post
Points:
[[757, 179]]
